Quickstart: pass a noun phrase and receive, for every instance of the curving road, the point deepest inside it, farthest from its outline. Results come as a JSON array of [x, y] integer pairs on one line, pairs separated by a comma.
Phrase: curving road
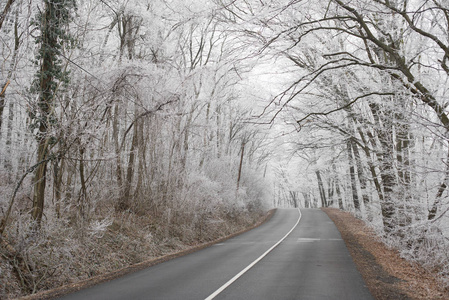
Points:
[[295, 255]]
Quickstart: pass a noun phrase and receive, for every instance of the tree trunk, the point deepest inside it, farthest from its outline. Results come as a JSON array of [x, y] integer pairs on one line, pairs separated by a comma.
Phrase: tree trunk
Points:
[[355, 194], [337, 187], [321, 189], [330, 192], [388, 182], [306, 199], [2, 102], [40, 181], [5, 11], [371, 165], [82, 200], [46, 80], [205, 136], [386, 161], [125, 200], [437, 202], [57, 186], [8, 164], [141, 157], [218, 137], [240, 166], [361, 176], [118, 161]]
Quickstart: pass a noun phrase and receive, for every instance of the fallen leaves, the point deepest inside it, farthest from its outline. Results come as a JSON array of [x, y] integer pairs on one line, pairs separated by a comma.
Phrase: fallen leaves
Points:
[[387, 275]]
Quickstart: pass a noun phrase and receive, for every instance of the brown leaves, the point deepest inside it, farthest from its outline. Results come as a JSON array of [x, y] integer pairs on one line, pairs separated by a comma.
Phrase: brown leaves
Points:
[[387, 275]]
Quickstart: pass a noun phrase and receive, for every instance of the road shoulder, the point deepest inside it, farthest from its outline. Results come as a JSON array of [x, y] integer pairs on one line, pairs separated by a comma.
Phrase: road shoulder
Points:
[[387, 275]]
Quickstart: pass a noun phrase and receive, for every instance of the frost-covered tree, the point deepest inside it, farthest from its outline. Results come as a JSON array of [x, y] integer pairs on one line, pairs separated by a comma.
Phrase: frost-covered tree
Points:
[[366, 80], [51, 24], [145, 132]]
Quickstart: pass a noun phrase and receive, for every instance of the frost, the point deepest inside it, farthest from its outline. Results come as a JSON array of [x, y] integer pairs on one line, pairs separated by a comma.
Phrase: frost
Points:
[[98, 228]]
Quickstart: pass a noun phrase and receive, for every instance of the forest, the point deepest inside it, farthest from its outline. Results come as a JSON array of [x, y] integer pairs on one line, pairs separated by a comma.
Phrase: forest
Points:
[[133, 128]]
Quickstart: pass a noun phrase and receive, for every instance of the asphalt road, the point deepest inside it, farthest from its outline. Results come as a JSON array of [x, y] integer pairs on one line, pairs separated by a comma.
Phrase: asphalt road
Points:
[[295, 255]]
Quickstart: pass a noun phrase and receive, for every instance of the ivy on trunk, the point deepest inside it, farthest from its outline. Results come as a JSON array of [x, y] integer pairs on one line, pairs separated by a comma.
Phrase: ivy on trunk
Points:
[[52, 23]]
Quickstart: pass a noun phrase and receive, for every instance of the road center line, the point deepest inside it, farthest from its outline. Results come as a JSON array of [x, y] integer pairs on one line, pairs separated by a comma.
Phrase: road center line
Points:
[[233, 279]]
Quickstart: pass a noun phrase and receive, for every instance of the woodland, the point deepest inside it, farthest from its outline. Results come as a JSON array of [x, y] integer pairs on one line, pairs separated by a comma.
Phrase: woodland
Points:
[[133, 128]]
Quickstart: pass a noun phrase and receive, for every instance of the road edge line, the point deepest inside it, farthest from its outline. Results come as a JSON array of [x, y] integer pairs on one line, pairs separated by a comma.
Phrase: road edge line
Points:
[[233, 279]]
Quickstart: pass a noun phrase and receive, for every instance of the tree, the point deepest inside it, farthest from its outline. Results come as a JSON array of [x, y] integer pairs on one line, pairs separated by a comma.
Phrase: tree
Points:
[[147, 131], [5, 11], [386, 54], [52, 25]]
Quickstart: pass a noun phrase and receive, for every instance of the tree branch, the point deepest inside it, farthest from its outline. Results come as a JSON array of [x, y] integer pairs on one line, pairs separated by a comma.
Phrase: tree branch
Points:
[[5, 12], [344, 106], [146, 113]]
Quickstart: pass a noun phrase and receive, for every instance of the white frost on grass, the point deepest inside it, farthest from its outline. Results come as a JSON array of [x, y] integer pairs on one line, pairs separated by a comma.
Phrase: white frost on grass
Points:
[[98, 227]]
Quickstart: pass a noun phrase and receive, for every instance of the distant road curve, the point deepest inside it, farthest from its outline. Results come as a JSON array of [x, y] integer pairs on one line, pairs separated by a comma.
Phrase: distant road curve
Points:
[[297, 254]]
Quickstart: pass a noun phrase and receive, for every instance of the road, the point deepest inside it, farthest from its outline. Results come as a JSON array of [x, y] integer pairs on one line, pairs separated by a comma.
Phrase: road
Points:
[[297, 254]]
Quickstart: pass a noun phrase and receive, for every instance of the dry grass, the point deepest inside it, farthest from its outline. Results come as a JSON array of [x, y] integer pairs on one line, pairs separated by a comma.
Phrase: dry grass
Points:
[[122, 246]]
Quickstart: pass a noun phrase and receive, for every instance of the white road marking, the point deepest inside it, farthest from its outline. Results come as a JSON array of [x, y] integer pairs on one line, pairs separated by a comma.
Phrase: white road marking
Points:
[[308, 240], [233, 279]]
